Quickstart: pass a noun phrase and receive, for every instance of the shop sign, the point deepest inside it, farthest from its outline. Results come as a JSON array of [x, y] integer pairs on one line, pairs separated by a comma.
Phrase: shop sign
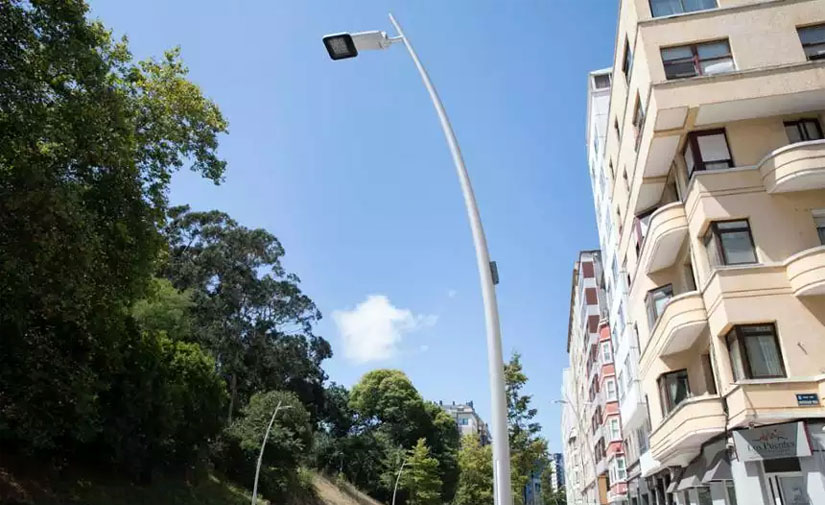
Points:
[[807, 400], [771, 442]]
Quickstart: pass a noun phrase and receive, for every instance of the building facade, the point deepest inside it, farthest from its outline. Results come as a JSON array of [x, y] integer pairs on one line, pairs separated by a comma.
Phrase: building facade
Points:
[[708, 175], [556, 464], [591, 424], [467, 420]]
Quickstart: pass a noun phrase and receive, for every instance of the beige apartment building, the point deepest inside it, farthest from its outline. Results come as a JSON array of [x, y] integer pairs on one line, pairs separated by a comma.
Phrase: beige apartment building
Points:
[[715, 162]]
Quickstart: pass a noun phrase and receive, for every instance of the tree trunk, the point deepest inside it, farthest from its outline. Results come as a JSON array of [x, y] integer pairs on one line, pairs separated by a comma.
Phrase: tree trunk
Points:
[[233, 390]]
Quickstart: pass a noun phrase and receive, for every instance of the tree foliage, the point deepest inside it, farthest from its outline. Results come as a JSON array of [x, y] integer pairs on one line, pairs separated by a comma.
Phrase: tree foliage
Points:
[[420, 478], [248, 311], [475, 481], [528, 450], [89, 139]]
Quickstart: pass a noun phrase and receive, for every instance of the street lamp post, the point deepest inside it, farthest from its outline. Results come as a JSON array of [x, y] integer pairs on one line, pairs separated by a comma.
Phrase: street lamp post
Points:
[[398, 479], [344, 45], [261, 455]]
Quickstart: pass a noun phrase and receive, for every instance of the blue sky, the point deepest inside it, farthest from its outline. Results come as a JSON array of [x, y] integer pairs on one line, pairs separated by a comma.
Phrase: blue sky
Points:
[[344, 161]]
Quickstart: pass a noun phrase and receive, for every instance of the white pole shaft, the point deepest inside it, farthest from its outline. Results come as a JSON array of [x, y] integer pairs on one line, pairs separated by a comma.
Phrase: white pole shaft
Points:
[[397, 479], [261, 455], [501, 443]]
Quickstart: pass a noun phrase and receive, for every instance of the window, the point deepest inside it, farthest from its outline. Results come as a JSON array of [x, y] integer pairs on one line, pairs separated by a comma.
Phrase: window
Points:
[[803, 130], [704, 496], [731, 492], [707, 370], [819, 222], [638, 121], [621, 470], [601, 81], [627, 62], [465, 421], [615, 429], [813, 41], [607, 354], [610, 386], [707, 150], [697, 59], [730, 243], [656, 301], [669, 7], [754, 352], [673, 390]]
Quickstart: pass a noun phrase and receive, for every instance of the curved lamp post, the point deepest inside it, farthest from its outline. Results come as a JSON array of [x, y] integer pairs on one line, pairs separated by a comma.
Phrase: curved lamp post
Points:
[[261, 455], [345, 45]]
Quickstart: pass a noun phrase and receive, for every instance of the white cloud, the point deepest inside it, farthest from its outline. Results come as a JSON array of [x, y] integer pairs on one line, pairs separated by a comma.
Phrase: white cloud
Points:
[[374, 329], [451, 293]]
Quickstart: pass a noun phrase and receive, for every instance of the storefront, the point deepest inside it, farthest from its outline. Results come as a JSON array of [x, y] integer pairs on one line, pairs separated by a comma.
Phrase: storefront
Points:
[[779, 464]]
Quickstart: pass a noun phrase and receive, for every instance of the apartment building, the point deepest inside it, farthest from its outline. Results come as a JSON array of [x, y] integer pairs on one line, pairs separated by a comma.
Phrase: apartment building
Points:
[[708, 172], [593, 449], [467, 420], [556, 464]]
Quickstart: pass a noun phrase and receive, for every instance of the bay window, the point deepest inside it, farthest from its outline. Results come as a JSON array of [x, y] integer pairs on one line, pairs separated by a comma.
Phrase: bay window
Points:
[[707, 150], [692, 60], [754, 352], [674, 388]]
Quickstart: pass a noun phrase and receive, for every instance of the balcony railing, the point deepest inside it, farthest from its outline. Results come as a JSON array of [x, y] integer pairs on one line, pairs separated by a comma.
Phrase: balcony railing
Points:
[[806, 272], [795, 167], [678, 327], [680, 435], [660, 235]]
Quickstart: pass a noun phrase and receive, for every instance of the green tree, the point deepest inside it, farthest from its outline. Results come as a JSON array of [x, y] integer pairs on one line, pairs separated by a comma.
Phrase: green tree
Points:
[[165, 309], [475, 481], [528, 450], [248, 311], [420, 478], [287, 447], [89, 140], [548, 495]]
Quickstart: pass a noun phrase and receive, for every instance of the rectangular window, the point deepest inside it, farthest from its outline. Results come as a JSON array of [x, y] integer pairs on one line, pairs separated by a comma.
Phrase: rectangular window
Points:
[[707, 150], [638, 122], [754, 352], [656, 301], [615, 429], [627, 62], [803, 130], [707, 369], [465, 421], [730, 243], [621, 470], [697, 59], [610, 385], [674, 388], [601, 81], [813, 41], [819, 222], [607, 355], [661, 8]]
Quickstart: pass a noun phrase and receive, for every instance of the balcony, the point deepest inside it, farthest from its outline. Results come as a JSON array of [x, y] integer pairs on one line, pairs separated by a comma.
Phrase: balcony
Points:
[[795, 167], [722, 98], [667, 229], [677, 329], [679, 437], [632, 407], [806, 272], [773, 400]]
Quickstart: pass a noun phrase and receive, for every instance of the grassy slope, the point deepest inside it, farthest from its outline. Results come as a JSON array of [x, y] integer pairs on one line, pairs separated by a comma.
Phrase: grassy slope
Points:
[[212, 491]]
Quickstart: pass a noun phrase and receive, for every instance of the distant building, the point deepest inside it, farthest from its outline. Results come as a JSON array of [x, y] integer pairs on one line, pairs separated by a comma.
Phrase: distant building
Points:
[[532, 490], [467, 420], [556, 464]]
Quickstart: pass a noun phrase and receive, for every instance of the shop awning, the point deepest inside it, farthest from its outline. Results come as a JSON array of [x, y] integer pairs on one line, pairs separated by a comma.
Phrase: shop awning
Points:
[[692, 476], [719, 468]]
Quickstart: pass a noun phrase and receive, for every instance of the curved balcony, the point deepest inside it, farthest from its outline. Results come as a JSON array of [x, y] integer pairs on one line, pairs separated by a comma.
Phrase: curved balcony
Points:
[[679, 437], [796, 167], [806, 272], [677, 329], [667, 230]]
